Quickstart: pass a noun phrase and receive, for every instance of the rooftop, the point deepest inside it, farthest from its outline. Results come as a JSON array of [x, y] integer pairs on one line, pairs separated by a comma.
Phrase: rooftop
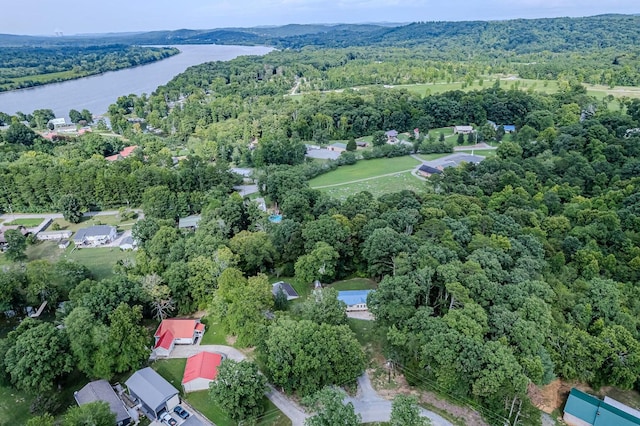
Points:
[[286, 288], [202, 366], [189, 221], [175, 328], [94, 231], [150, 387], [101, 390], [354, 297], [431, 170]]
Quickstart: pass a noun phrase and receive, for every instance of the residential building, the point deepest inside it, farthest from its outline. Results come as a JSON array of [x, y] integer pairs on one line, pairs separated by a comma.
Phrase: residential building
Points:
[[101, 390], [95, 235], [53, 235], [175, 331], [465, 130], [427, 171], [153, 393], [356, 300], [189, 222], [126, 152], [392, 136], [128, 243], [583, 409], [337, 147], [287, 288], [200, 371]]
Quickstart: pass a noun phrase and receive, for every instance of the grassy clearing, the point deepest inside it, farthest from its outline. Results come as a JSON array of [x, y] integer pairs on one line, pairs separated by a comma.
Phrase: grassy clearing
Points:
[[172, 370], [14, 405], [213, 333], [483, 152], [363, 170], [354, 284], [377, 187], [99, 260], [28, 223]]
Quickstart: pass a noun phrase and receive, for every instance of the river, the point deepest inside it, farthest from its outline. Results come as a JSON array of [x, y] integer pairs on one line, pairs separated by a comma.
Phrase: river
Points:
[[97, 92]]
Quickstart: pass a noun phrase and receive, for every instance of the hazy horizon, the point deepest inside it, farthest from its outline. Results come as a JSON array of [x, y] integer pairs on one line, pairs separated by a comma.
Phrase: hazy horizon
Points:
[[72, 17]]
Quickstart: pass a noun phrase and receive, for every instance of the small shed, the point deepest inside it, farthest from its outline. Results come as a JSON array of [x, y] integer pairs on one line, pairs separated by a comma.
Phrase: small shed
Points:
[[200, 371], [189, 222], [465, 130], [153, 392], [128, 243], [63, 244]]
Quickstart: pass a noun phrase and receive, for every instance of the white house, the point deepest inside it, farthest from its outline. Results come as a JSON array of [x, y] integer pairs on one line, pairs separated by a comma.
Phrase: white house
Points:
[[200, 371], [465, 130], [175, 331], [53, 235], [95, 235]]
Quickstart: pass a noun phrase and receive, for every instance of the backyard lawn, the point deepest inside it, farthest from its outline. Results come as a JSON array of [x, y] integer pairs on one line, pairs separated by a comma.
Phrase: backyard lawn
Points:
[[354, 284], [213, 333], [377, 186], [99, 260], [365, 169], [14, 405], [26, 222]]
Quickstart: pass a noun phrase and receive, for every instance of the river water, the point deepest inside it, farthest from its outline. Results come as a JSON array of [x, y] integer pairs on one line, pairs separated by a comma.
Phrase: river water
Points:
[[97, 92]]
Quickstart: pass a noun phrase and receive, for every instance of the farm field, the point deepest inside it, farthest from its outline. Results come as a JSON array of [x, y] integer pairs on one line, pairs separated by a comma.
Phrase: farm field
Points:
[[364, 169], [377, 186]]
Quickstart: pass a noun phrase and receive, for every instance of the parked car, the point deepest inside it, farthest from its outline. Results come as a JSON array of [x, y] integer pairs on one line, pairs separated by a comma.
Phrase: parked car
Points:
[[181, 412], [166, 418]]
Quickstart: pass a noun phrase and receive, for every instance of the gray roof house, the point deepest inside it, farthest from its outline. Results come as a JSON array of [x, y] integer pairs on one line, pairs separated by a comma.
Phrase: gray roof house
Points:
[[154, 393], [95, 235], [286, 288], [101, 390], [189, 222]]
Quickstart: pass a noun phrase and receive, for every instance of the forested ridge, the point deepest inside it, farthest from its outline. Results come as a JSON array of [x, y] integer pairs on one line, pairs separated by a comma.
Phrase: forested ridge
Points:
[[32, 66], [491, 279]]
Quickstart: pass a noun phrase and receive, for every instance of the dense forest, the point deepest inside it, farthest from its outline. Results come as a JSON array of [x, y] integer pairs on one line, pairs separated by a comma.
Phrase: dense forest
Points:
[[32, 66], [493, 278]]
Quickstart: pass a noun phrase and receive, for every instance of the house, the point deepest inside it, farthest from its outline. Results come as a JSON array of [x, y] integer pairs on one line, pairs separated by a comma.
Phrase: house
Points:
[[392, 136], [465, 130], [362, 144], [101, 390], [583, 409], [356, 300], [126, 152], [3, 229], [175, 331], [286, 288], [427, 171], [128, 243], [53, 235], [95, 235], [509, 128], [153, 393], [57, 122], [189, 222], [200, 371], [63, 244], [337, 147]]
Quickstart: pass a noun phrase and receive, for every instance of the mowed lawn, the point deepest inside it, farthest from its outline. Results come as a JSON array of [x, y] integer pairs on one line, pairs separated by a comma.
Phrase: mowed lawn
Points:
[[378, 186], [364, 169], [26, 222], [14, 405], [99, 260]]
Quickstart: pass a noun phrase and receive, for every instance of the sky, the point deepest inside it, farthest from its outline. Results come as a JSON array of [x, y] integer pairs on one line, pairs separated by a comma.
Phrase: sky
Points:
[[45, 17]]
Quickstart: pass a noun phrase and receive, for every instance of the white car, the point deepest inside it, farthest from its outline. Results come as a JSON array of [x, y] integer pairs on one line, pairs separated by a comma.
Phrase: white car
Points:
[[167, 419]]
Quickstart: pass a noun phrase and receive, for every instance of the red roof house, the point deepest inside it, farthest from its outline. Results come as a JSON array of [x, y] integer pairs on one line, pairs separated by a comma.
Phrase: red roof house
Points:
[[201, 369], [122, 154], [175, 331]]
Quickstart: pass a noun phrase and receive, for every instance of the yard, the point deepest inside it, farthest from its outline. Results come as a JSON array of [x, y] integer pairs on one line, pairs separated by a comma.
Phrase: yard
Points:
[[85, 222], [354, 284], [213, 333], [377, 186], [99, 260], [365, 169], [14, 405], [26, 222], [173, 369]]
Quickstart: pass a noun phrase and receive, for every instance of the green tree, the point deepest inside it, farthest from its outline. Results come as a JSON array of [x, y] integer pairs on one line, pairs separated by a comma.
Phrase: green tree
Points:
[[70, 207], [405, 411], [323, 307], [330, 410], [351, 145], [43, 420], [239, 390], [254, 249], [16, 245], [80, 329], [304, 356], [96, 413], [18, 133], [320, 264], [38, 358], [379, 138]]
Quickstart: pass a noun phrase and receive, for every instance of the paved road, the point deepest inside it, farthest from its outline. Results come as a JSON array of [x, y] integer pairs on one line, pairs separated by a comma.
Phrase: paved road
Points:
[[373, 408]]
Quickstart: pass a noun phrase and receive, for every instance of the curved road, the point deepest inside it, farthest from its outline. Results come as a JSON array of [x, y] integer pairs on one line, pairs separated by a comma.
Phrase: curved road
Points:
[[371, 406]]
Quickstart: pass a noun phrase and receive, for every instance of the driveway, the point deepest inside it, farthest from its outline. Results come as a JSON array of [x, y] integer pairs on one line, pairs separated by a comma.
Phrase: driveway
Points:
[[373, 408]]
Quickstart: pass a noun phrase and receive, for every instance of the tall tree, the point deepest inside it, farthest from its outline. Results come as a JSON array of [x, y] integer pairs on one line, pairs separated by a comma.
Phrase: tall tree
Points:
[[405, 411], [330, 410], [70, 207], [16, 245], [96, 413], [239, 390]]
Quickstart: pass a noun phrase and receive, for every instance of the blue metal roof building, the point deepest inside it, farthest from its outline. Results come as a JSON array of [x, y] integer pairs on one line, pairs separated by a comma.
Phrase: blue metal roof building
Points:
[[354, 299]]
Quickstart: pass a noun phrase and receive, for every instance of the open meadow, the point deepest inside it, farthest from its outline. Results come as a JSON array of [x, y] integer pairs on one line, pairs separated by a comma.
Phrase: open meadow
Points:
[[364, 169]]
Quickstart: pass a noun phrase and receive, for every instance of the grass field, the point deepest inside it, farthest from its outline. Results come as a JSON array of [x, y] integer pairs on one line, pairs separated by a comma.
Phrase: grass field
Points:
[[213, 333], [354, 284], [483, 152], [378, 186], [14, 405], [28, 223], [364, 169], [99, 260]]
